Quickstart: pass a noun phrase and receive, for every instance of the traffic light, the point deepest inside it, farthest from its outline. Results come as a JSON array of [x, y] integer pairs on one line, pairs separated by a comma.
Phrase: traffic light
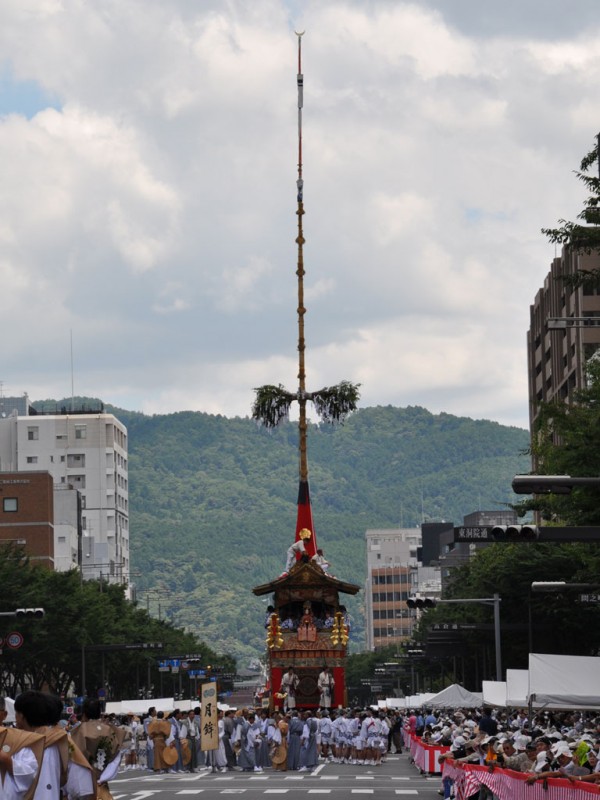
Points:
[[551, 484], [29, 613], [514, 533], [421, 602]]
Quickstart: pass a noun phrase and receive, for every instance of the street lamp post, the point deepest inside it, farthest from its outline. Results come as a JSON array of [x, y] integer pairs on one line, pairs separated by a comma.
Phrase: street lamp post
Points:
[[495, 601]]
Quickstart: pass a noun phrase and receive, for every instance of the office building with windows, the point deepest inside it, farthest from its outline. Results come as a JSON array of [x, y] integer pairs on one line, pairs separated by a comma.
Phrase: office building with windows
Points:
[[393, 574], [27, 514], [564, 332], [86, 455]]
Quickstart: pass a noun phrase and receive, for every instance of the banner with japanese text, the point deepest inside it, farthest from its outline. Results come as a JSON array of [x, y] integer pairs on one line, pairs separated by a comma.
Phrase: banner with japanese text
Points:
[[209, 717]]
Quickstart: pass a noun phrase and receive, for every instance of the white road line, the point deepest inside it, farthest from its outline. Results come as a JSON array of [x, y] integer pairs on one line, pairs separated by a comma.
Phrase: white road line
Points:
[[317, 770], [319, 791], [406, 791], [329, 777], [399, 778], [276, 791], [232, 791], [190, 791], [365, 777], [362, 791], [294, 778]]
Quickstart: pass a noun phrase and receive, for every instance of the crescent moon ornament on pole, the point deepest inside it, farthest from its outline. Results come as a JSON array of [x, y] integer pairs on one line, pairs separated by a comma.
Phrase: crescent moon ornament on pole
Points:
[[332, 403]]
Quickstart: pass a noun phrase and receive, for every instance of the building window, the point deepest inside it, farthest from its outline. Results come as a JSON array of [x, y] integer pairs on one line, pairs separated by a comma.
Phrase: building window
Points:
[[33, 433], [32, 459], [10, 504], [80, 431]]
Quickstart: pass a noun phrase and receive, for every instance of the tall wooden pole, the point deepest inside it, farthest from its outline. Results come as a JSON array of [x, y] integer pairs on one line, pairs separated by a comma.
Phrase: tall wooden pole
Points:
[[304, 520], [300, 274]]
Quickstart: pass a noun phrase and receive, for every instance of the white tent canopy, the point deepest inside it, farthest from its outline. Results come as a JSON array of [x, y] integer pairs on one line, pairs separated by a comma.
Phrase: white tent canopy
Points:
[[166, 704], [392, 702], [140, 707], [494, 693], [564, 681], [456, 696], [517, 687], [417, 700]]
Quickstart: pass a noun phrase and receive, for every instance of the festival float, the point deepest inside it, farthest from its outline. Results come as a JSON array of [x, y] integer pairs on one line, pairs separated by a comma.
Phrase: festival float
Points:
[[307, 626]]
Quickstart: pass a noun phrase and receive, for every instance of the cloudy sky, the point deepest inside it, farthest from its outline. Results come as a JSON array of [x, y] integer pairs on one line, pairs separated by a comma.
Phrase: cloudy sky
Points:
[[147, 200]]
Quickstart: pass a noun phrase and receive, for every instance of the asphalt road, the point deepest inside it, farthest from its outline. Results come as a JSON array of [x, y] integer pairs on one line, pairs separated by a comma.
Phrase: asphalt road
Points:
[[396, 778]]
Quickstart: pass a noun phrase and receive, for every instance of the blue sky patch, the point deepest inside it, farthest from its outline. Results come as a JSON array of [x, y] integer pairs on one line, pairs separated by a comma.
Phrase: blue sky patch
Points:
[[23, 97]]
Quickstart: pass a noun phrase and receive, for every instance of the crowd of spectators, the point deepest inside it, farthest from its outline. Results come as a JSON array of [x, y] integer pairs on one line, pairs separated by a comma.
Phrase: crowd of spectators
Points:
[[549, 745]]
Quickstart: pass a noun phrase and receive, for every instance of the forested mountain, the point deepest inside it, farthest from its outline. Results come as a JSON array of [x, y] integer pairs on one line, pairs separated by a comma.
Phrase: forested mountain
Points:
[[212, 501]]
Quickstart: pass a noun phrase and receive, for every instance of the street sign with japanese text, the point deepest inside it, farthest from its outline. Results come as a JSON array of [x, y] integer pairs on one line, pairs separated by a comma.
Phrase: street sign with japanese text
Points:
[[482, 533]]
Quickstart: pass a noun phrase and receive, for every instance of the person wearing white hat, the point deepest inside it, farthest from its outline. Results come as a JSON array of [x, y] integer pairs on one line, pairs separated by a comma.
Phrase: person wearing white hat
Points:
[[564, 765]]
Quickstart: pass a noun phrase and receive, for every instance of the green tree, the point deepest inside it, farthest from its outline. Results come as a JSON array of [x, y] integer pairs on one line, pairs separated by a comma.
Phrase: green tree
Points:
[[566, 441], [559, 623], [583, 236], [79, 614]]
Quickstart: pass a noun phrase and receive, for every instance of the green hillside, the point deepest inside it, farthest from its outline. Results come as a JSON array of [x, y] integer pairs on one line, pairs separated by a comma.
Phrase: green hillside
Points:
[[212, 501]]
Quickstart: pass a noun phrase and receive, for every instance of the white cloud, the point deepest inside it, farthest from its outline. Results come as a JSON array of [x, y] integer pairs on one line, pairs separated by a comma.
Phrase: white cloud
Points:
[[153, 211]]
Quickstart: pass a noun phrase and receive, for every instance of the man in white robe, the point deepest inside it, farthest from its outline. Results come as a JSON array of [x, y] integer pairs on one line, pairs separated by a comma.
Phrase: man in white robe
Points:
[[21, 756]]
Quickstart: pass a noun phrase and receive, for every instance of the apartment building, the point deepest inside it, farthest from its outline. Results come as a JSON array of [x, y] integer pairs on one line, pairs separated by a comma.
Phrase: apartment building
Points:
[[557, 355], [27, 514], [85, 452], [393, 574]]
